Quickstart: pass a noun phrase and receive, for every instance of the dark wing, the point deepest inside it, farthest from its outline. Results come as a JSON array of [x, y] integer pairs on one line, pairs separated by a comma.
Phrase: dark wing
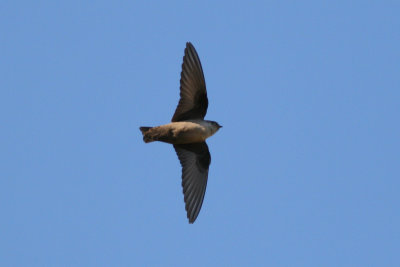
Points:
[[195, 160], [193, 103]]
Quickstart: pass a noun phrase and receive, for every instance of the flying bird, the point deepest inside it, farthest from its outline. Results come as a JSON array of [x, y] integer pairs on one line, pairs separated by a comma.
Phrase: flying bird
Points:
[[188, 131]]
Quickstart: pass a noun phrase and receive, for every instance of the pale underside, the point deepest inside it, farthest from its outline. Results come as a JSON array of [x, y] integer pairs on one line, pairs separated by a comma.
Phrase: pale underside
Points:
[[184, 132]]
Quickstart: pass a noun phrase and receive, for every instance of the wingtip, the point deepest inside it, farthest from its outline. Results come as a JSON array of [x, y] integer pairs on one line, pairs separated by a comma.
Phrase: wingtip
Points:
[[192, 218], [189, 45]]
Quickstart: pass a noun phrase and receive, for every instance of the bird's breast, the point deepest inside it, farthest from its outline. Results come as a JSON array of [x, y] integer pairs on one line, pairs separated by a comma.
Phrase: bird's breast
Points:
[[186, 132]]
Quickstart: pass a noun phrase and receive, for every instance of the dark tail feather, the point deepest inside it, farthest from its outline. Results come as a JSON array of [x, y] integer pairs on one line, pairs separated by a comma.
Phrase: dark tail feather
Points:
[[146, 138], [145, 129]]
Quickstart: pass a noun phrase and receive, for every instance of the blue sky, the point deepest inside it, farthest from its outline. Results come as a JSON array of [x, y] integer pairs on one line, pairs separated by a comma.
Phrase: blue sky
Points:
[[305, 171]]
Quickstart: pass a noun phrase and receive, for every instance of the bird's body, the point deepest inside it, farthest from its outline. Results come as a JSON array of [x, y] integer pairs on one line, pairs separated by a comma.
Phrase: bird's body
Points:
[[182, 132], [188, 131]]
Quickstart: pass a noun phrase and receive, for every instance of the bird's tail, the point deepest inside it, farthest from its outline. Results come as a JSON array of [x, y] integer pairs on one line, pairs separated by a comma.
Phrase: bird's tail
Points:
[[146, 138]]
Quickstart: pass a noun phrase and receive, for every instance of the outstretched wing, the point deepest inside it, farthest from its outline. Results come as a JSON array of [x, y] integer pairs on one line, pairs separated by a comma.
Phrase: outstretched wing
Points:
[[195, 160], [193, 102]]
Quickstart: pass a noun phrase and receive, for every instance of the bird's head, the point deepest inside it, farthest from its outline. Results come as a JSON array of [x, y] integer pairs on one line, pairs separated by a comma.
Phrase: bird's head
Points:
[[214, 126]]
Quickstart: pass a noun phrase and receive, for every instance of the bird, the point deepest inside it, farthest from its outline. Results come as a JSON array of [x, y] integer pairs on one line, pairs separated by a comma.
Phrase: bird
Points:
[[188, 132]]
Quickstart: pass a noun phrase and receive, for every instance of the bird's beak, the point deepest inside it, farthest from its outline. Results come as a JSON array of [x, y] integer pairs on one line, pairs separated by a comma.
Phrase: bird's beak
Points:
[[219, 126]]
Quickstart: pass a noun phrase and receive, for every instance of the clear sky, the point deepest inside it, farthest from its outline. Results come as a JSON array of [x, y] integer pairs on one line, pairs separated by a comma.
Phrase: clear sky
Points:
[[305, 171]]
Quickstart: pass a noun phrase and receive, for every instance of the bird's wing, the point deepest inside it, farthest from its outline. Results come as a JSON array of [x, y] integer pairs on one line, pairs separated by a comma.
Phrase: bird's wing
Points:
[[195, 160], [193, 102]]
